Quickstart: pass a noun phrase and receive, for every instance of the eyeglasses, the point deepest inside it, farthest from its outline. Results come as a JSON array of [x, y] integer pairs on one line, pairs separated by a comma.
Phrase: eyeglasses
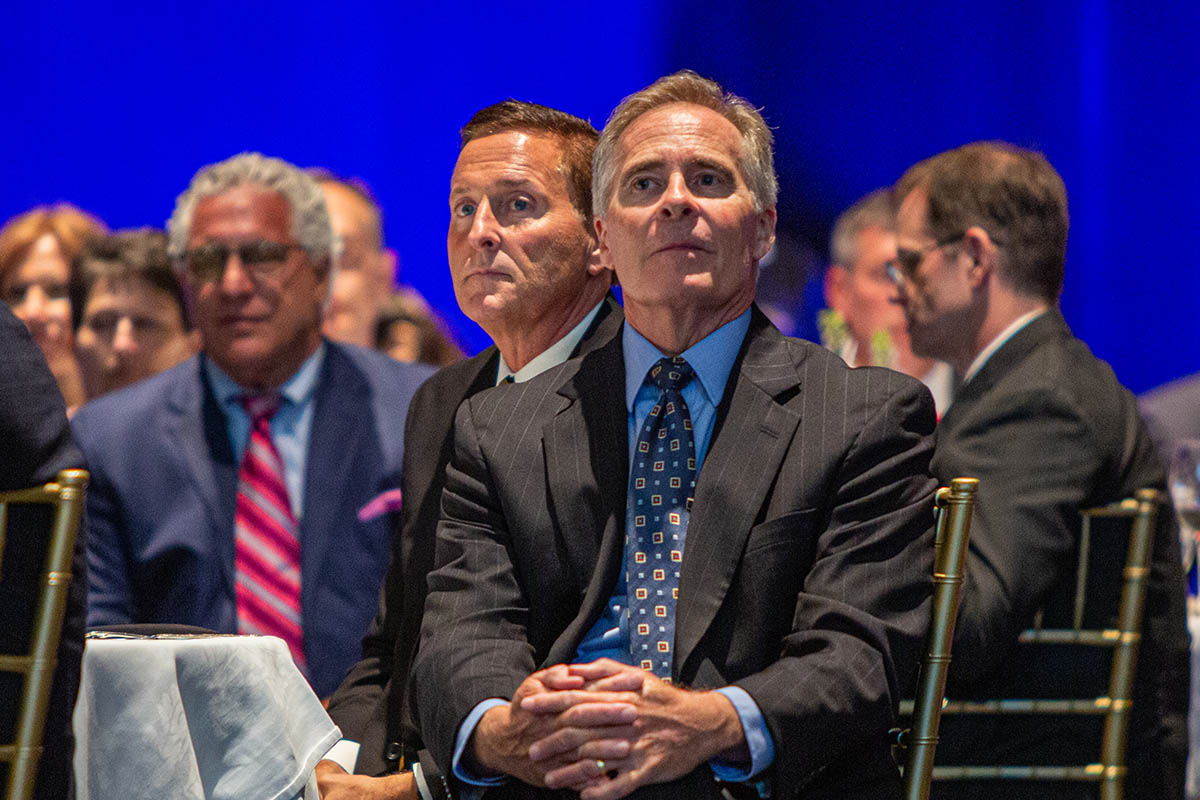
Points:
[[260, 259], [906, 263]]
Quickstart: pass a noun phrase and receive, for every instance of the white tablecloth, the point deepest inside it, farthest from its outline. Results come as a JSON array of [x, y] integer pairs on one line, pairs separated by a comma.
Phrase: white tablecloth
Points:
[[196, 717]]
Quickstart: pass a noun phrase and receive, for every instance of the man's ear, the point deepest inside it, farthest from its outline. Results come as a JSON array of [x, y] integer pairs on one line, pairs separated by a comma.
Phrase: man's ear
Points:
[[764, 233], [595, 262], [387, 269], [601, 256], [835, 287], [982, 251]]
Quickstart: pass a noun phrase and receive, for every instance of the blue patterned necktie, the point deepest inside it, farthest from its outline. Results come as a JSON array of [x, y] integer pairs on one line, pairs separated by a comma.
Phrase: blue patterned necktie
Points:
[[662, 480]]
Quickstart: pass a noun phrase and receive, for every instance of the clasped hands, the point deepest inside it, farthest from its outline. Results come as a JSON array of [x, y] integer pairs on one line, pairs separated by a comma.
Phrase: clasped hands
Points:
[[604, 729]]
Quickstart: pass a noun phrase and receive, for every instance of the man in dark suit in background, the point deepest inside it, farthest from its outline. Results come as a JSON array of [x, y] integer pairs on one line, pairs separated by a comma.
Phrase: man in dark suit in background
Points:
[[795, 583], [1047, 429], [35, 443], [1172, 412], [225, 491], [523, 262]]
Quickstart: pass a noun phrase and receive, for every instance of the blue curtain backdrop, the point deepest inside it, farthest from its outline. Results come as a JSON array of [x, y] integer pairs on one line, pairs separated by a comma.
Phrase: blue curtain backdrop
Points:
[[114, 106]]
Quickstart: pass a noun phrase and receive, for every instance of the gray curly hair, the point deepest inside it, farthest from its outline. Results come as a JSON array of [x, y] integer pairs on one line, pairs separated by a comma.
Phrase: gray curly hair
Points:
[[310, 218]]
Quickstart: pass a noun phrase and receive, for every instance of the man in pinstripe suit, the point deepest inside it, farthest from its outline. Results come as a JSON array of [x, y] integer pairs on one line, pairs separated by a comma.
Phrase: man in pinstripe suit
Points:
[[802, 590], [522, 257]]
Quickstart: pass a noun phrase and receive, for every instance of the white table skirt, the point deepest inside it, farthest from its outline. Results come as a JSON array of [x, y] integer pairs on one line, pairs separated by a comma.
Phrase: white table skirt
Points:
[[196, 717]]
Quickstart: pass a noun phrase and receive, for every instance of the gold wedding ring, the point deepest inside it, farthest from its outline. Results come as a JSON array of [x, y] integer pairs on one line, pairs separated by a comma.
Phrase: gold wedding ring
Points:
[[600, 765]]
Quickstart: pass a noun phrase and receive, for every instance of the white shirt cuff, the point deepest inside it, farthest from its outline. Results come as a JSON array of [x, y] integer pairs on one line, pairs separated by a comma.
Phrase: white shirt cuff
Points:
[[344, 753]]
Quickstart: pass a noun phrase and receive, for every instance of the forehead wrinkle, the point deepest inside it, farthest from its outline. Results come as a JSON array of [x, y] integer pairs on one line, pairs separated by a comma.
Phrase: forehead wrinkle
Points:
[[645, 163], [502, 183], [690, 154], [707, 163]]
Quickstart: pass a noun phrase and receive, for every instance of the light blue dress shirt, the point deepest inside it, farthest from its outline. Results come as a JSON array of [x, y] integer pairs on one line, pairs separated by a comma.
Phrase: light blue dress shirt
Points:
[[712, 360], [290, 427]]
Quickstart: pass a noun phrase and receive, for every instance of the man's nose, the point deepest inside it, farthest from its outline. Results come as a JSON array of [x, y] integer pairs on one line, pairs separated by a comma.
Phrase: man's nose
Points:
[[485, 228], [35, 305], [677, 200], [124, 339], [234, 278]]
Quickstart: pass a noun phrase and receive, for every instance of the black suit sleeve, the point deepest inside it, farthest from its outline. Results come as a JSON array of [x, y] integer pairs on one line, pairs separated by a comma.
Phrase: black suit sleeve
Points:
[[1037, 459], [474, 642], [35, 443], [371, 705], [861, 614]]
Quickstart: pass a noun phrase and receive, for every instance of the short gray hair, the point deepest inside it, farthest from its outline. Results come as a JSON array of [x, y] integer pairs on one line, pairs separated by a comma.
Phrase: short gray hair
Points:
[[310, 218], [872, 211], [757, 162]]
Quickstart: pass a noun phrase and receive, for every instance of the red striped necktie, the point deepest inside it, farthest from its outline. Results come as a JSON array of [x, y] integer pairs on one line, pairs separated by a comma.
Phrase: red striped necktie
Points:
[[266, 540]]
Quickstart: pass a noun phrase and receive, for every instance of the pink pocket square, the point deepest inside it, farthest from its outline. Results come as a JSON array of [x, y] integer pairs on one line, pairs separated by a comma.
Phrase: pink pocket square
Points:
[[385, 503]]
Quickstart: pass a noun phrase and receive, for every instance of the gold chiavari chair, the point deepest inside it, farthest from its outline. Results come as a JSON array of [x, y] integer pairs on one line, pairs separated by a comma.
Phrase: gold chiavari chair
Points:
[[953, 506], [65, 495], [1120, 631]]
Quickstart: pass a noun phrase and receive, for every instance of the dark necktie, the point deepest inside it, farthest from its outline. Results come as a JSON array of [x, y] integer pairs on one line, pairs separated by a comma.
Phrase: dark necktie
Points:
[[662, 480], [266, 537]]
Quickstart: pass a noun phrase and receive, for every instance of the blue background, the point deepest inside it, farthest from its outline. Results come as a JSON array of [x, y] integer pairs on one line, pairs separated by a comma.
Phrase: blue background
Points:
[[114, 106]]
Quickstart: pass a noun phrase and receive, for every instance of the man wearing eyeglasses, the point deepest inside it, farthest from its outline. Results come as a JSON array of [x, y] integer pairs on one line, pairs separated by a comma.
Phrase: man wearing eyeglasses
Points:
[[1048, 430], [229, 492]]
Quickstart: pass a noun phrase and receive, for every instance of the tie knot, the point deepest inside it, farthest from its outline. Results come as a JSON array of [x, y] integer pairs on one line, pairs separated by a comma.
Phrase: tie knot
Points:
[[260, 406], [670, 373]]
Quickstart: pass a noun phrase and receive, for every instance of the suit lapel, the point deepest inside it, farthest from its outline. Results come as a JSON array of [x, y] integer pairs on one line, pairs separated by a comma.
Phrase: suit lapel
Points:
[[197, 425], [338, 442], [587, 469], [1046, 327], [752, 434], [604, 327]]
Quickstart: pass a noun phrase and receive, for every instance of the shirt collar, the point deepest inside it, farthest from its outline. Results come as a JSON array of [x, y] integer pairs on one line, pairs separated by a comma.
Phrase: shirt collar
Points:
[[552, 356], [711, 358], [295, 390], [995, 344]]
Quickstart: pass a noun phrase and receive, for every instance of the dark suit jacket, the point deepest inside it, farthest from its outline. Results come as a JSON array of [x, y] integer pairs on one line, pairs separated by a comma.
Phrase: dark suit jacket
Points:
[[1048, 430], [805, 576], [1172, 413], [35, 443], [164, 485], [369, 706]]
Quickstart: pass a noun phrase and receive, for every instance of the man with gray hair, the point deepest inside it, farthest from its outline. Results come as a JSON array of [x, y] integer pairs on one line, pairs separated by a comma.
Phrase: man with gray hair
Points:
[[699, 502], [869, 327], [234, 491]]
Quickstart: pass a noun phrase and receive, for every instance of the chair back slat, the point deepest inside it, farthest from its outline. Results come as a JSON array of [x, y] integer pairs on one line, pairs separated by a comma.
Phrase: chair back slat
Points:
[[66, 496], [3, 531], [1129, 623], [953, 506], [1081, 571]]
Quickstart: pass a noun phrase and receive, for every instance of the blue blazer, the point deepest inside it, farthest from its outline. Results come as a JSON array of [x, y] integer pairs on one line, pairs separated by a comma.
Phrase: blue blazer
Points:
[[164, 485]]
